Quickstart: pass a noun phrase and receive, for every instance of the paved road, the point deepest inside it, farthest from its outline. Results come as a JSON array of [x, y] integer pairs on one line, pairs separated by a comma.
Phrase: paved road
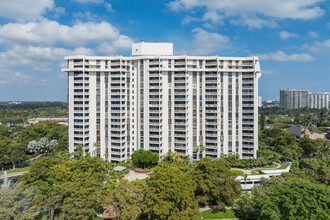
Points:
[[13, 174]]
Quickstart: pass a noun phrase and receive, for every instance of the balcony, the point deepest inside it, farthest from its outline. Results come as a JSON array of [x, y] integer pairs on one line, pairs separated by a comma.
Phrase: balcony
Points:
[[248, 122], [154, 148], [180, 123], [180, 148], [155, 123], [211, 111], [155, 128], [155, 141], [211, 141], [154, 111], [248, 128], [154, 135]]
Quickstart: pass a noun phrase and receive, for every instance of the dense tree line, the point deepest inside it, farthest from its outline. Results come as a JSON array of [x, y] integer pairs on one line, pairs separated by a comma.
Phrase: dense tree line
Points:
[[302, 194], [14, 142], [19, 113], [308, 118], [73, 186], [287, 197]]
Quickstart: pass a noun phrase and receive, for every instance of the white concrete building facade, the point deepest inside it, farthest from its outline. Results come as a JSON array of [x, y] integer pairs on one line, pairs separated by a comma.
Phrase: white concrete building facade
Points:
[[160, 102], [318, 100]]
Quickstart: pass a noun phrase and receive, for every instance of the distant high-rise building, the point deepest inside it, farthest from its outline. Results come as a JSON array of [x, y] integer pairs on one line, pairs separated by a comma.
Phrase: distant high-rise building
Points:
[[318, 100], [163, 103], [259, 101], [294, 99]]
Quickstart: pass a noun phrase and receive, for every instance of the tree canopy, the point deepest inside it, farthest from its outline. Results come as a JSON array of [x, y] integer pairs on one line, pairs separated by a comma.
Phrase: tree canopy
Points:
[[145, 158], [127, 199], [215, 183], [170, 195], [287, 198], [73, 186]]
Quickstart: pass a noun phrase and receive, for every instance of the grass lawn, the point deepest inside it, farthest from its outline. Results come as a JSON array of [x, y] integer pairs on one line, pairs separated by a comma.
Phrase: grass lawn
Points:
[[273, 165], [216, 214], [284, 165], [238, 172], [17, 170]]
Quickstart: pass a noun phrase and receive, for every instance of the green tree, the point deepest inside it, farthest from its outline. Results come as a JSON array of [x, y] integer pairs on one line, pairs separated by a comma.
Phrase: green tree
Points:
[[4, 131], [16, 202], [16, 152], [286, 144], [215, 183], [38, 176], [287, 198], [143, 158], [71, 185], [81, 196], [314, 168], [62, 146], [170, 195], [57, 132], [4, 144], [42, 146], [127, 199], [308, 145], [262, 120]]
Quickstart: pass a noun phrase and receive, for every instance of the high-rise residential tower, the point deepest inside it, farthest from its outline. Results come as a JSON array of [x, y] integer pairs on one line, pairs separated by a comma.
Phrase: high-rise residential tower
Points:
[[160, 102], [293, 99], [318, 100]]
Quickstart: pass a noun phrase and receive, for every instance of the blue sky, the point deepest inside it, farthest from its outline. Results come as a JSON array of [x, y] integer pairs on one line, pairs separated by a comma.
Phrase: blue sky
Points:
[[291, 37]]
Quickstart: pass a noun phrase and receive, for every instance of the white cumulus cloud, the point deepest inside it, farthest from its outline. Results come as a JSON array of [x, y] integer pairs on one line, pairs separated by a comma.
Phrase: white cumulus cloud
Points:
[[319, 47], [22, 10], [89, 1], [206, 43], [39, 58], [8, 76], [46, 32], [282, 56], [255, 10], [313, 34], [285, 35]]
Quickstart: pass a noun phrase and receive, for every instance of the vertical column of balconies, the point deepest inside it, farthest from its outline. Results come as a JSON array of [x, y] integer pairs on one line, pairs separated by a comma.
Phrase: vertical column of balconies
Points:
[[155, 107], [181, 105], [118, 111], [81, 104], [212, 136], [248, 112]]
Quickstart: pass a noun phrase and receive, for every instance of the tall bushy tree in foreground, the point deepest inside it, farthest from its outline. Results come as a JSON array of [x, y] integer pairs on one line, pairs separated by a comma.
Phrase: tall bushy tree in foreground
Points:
[[4, 144], [215, 183], [127, 199], [16, 152], [145, 158], [287, 198], [16, 202], [170, 195], [71, 185]]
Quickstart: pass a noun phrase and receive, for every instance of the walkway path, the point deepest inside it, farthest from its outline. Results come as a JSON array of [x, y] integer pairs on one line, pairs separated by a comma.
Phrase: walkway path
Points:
[[14, 174], [132, 176], [249, 171]]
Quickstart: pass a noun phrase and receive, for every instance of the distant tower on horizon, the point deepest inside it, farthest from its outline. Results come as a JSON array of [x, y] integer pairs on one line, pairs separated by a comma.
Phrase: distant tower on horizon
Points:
[[318, 100], [293, 99], [259, 101]]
